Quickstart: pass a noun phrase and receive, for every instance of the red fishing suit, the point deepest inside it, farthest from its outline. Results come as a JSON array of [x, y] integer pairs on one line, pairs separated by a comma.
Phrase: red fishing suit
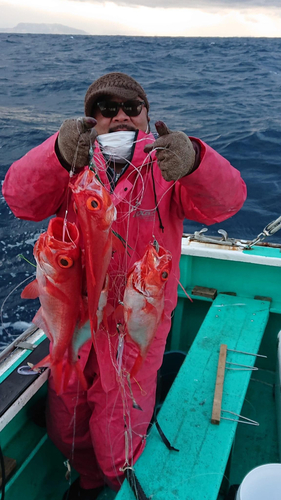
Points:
[[98, 429]]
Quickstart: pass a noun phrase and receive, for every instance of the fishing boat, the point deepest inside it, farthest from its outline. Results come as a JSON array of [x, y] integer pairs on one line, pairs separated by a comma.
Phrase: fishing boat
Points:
[[220, 406]]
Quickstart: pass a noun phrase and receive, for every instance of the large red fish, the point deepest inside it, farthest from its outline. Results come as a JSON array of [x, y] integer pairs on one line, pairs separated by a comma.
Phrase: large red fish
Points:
[[96, 213], [144, 298], [58, 285]]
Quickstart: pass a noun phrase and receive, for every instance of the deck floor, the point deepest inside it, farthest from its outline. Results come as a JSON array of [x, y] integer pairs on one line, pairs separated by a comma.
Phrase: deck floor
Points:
[[254, 446]]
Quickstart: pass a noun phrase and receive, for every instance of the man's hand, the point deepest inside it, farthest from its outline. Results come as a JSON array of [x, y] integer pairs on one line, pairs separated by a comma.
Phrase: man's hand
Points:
[[74, 139], [174, 152]]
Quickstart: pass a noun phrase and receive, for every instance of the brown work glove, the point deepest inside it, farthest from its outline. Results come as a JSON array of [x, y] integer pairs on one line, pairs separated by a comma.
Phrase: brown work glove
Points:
[[73, 143], [174, 152]]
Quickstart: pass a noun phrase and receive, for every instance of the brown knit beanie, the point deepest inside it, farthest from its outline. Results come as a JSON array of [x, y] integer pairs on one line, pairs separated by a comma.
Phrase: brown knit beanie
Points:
[[113, 84]]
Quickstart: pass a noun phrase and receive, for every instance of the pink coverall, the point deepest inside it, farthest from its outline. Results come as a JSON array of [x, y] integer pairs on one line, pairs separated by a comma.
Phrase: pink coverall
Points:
[[89, 427]]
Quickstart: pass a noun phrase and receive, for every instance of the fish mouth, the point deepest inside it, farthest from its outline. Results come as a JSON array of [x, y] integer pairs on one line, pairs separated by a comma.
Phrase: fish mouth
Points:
[[63, 231]]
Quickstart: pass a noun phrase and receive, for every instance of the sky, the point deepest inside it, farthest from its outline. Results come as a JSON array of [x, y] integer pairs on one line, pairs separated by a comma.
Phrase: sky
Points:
[[226, 18]]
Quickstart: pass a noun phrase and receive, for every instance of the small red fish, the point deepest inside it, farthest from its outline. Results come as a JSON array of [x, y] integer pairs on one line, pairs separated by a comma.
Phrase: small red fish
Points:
[[58, 285], [96, 213], [144, 298]]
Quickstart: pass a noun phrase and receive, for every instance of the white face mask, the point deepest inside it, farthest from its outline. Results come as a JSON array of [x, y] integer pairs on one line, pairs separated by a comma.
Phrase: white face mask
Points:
[[117, 146]]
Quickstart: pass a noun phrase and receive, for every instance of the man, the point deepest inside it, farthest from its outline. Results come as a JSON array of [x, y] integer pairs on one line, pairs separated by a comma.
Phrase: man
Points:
[[155, 185]]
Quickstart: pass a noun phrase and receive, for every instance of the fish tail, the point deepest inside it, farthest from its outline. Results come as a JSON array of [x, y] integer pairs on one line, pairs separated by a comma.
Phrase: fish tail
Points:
[[56, 370], [67, 374], [137, 365], [43, 363]]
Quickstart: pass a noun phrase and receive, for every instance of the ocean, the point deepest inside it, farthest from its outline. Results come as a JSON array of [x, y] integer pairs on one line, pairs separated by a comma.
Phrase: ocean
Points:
[[226, 91]]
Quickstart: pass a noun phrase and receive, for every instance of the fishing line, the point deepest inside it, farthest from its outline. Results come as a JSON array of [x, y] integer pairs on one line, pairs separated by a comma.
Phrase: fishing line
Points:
[[108, 417], [108, 161], [128, 448], [68, 193], [5, 300], [119, 274], [182, 287], [134, 203], [26, 260], [143, 392], [67, 464], [127, 408]]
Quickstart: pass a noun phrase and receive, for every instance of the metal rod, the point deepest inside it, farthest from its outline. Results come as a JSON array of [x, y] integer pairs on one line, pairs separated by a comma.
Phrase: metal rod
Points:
[[240, 421], [248, 353], [253, 368], [244, 421]]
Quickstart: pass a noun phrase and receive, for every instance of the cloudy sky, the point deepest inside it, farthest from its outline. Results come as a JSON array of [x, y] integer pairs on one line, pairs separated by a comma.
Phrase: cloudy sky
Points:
[[261, 18]]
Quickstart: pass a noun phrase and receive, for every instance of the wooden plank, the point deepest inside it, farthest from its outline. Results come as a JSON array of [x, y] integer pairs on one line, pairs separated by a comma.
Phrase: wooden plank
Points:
[[204, 291], [10, 465], [216, 413], [196, 471]]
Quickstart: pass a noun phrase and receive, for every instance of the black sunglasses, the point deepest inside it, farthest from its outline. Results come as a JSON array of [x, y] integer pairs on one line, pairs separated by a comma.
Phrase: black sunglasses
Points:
[[109, 109]]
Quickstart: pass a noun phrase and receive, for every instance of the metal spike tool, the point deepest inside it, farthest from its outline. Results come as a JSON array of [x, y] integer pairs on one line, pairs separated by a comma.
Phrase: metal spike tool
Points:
[[217, 410]]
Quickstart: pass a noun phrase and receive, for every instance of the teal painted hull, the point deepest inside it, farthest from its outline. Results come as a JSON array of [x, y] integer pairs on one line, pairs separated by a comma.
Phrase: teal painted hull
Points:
[[217, 455]]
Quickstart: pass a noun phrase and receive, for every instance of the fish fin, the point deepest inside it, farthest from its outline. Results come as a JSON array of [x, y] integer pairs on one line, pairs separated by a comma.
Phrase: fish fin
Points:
[[108, 310], [30, 291], [45, 362], [104, 319], [117, 244], [40, 322], [119, 313], [138, 362], [70, 365], [66, 375], [56, 370]]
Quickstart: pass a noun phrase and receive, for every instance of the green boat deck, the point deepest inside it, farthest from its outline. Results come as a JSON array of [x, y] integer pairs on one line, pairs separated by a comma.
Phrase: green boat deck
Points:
[[186, 413]]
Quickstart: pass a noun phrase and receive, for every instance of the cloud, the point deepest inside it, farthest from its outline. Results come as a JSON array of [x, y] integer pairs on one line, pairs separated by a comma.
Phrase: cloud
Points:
[[193, 4]]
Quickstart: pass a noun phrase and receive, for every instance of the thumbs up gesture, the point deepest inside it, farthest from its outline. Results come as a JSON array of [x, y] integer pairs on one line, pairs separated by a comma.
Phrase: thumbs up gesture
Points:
[[174, 152]]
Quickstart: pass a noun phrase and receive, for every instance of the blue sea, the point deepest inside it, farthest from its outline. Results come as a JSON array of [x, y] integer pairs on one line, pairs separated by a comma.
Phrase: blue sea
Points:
[[227, 91]]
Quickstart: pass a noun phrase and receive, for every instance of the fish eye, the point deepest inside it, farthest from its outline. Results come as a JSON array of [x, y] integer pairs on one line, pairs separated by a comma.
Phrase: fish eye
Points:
[[165, 275], [64, 261], [93, 203]]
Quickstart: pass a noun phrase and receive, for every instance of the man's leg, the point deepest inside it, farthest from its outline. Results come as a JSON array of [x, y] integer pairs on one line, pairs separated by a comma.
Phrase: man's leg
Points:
[[68, 417]]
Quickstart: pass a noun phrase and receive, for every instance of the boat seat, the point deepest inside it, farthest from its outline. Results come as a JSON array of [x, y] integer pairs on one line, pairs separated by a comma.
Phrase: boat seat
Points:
[[197, 470]]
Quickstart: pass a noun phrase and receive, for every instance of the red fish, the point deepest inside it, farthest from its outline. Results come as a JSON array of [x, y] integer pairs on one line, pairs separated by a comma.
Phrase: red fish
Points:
[[144, 298], [58, 285], [96, 213]]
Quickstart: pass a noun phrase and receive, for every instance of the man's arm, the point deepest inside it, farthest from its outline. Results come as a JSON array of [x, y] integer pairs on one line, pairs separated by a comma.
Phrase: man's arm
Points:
[[35, 185], [207, 188], [214, 192]]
